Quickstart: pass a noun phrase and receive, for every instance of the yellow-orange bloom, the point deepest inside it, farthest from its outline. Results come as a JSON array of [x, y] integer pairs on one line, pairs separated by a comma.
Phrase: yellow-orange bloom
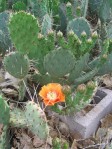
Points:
[[52, 93]]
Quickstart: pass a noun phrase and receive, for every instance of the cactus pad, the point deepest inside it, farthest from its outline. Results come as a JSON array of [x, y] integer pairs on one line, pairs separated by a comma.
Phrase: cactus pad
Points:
[[17, 65], [59, 62], [4, 138], [17, 118], [19, 6], [109, 30], [5, 41], [36, 120], [79, 25], [4, 111], [46, 24], [38, 8], [23, 29], [79, 67]]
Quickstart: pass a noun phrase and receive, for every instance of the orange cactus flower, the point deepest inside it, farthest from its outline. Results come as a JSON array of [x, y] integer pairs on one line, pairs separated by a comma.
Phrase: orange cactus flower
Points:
[[52, 93]]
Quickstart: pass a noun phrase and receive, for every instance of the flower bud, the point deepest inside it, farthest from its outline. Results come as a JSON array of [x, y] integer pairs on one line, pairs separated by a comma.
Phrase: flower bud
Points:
[[81, 88], [91, 84], [89, 41], [50, 32], [78, 11], [60, 34], [68, 4], [83, 34], [105, 56], [94, 35], [71, 33], [40, 36], [66, 89]]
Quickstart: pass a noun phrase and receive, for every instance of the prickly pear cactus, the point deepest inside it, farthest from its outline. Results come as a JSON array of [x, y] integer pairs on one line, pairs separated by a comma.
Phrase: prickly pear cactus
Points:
[[59, 62], [105, 12], [82, 5], [109, 30], [46, 24], [4, 138], [4, 111], [36, 120], [19, 6], [102, 8], [17, 118], [2, 5], [63, 18], [79, 25], [79, 67], [26, 27], [38, 8], [5, 41], [32, 117], [107, 67], [83, 95], [22, 89], [17, 65]]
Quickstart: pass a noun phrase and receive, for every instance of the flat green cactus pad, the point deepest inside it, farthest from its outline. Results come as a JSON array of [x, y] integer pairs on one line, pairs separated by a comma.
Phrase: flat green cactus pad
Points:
[[36, 120], [5, 41], [23, 29], [59, 62], [79, 25], [17, 65], [4, 111]]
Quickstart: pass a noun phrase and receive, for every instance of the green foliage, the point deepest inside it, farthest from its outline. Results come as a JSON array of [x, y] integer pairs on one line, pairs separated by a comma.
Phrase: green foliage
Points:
[[5, 41], [17, 65], [19, 6]]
